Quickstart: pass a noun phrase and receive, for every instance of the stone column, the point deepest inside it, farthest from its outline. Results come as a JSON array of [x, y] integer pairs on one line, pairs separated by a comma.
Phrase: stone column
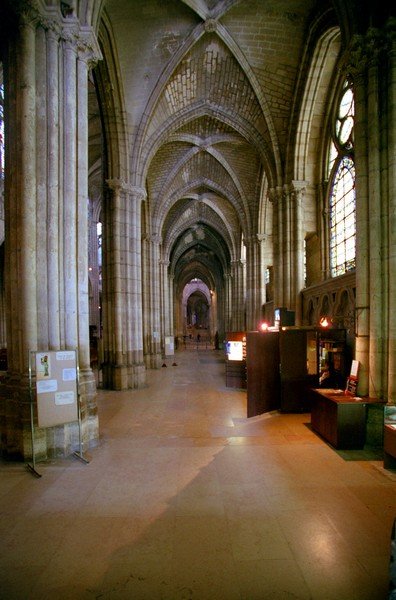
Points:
[[377, 235], [46, 217], [136, 196], [276, 197], [83, 58], [152, 304], [213, 315], [297, 190], [227, 302], [114, 285], [266, 260], [171, 302], [53, 191], [362, 323], [69, 215], [237, 303], [23, 303], [391, 129], [285, 248], [166, 312], [262, 266], [288, 249], [88, 54], [122, 287], [20, 244], [120, 335], [254, 277]]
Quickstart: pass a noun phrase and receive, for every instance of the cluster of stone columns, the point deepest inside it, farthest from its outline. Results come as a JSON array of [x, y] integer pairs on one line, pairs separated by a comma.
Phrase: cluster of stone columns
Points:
[[235, 296], [152, 301], [288, 239], [373, 67], [123, 365], [167, 295], [46, 217]]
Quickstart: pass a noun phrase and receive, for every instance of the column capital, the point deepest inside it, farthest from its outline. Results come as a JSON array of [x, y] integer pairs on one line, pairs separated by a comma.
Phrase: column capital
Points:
[[390, 31], [137, 192], [28, 17], [298, 185], [154, 238], [115, 184], [88, 46], [367, 50], [69, 36], [236, 264], [275, 194], [253, 239], [119, 185], [296, 189]]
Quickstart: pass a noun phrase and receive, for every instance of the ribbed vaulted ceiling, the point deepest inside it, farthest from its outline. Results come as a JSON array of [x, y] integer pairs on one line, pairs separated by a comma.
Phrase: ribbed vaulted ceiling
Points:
[[208, 90]]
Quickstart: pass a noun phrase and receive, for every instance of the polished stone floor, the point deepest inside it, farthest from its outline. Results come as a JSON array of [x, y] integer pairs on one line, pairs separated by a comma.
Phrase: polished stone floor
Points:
[[186, 499]]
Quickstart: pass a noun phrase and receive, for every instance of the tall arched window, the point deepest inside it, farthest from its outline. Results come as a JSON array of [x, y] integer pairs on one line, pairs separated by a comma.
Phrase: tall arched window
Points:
[[342, 200]]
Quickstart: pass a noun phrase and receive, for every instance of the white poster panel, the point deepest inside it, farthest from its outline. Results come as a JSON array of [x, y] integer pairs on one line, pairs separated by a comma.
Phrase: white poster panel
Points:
[[56, 387], [169, 345]]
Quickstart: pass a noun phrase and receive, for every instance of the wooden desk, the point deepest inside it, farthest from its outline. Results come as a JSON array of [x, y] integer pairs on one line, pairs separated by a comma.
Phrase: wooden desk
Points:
[[340, 419]]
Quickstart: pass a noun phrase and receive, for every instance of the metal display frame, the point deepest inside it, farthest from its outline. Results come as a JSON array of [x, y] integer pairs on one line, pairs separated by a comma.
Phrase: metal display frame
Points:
[[79, 454]]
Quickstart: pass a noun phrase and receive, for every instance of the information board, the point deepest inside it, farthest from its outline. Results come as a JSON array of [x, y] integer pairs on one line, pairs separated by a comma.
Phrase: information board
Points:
[[169, 345], [56, 387], [234, 350]]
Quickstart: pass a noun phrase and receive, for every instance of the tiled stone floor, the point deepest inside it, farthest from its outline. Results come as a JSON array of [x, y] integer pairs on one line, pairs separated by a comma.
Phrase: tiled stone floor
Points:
[[187, 499]]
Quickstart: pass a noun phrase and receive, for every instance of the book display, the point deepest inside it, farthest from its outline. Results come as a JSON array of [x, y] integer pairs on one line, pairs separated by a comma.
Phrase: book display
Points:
[[282, 365]]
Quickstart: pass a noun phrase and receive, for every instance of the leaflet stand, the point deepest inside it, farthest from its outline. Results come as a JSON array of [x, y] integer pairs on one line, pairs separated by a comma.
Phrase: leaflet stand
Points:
[[80, 453], [32, 468]]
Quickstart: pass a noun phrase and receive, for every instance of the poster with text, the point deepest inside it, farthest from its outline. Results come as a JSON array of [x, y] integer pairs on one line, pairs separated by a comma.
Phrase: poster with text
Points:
[[56, 387]]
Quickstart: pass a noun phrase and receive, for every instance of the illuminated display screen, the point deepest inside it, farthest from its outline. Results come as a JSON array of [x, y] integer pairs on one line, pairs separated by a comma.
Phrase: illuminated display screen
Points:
[[235, 350]]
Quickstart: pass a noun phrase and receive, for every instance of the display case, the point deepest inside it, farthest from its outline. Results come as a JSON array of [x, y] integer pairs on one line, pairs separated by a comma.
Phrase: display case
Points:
[[339, 418], [291, 361], [390, 436], [332, 358], [310, 357]]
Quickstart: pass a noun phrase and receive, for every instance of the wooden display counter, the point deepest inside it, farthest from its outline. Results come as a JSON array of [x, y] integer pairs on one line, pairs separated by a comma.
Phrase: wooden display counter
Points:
[[390, 446], [339, 418]]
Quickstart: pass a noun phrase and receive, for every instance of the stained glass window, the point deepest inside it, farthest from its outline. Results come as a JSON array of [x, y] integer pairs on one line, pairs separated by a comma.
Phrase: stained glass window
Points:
[[342, 207], [342, 219]]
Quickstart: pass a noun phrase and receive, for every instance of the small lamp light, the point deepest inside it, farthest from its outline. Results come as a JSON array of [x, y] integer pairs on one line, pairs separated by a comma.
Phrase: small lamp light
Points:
[[324, 322], [263, 326]]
